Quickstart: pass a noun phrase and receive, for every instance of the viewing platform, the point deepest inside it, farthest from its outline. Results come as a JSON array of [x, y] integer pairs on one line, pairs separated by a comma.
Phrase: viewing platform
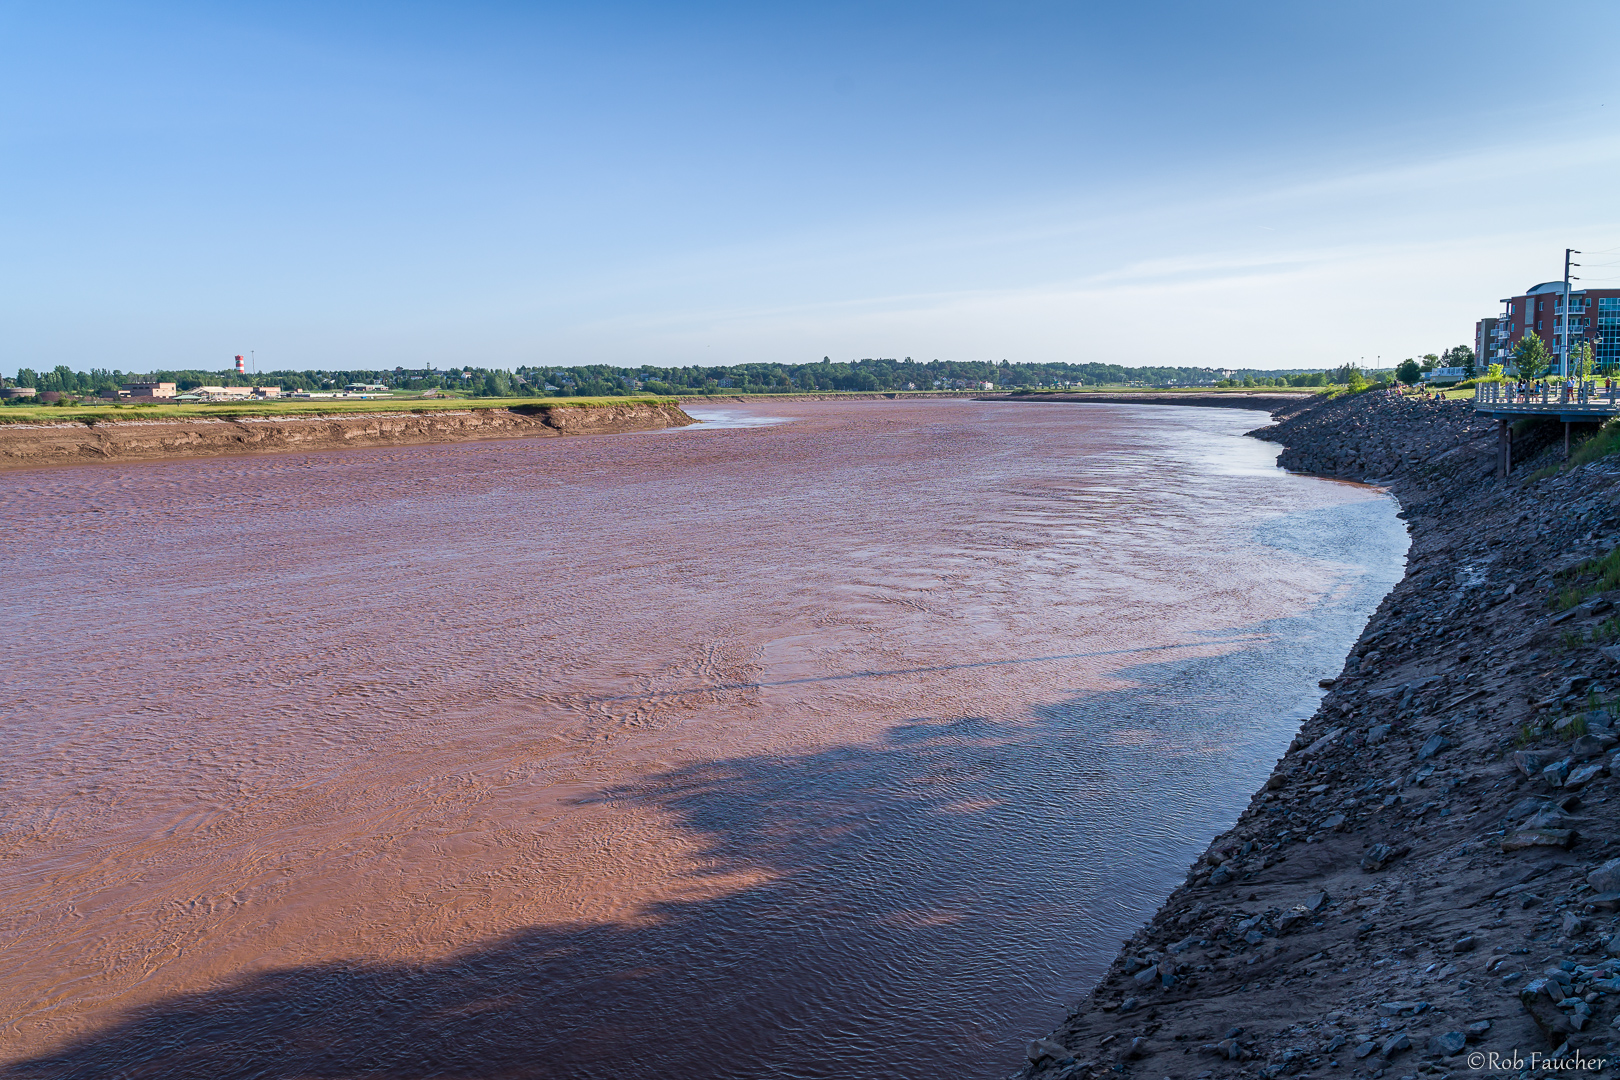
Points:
[[1585, 403], [1580, 403]]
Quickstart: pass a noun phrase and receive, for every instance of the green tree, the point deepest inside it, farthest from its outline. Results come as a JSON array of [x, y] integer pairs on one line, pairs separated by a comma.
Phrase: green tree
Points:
[[1430, 362], [1530, 357], [1355, 381], [1408, 371]]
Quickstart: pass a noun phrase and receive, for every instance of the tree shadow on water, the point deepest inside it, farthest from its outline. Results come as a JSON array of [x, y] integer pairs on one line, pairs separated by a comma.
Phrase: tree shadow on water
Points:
[[920, 902]]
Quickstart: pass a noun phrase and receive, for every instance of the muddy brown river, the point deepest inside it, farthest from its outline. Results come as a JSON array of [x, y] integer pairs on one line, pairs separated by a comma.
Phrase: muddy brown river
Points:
[[819, 740]]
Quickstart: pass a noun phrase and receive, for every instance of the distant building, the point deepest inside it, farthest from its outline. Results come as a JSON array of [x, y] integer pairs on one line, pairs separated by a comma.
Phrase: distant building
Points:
[[1445, 376], [17, 392], [365, 388], [1594, 318], [142, 389], [220, 393], [1484, 343]]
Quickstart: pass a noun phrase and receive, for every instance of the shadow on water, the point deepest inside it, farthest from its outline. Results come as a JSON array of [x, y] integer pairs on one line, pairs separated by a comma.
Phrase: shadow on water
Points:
[[922, 902]]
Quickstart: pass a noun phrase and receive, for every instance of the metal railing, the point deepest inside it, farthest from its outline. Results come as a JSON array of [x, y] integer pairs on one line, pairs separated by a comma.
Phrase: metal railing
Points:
[[1584, 392]]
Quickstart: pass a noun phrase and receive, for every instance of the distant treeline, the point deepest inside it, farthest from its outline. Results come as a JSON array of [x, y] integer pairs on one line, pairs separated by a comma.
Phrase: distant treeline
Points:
[[595, 380]]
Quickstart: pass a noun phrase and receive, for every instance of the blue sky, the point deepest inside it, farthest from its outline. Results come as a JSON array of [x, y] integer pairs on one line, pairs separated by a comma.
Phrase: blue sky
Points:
[[359, 186]]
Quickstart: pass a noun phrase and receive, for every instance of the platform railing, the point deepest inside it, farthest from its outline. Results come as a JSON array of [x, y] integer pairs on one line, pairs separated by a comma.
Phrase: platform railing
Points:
[[1580, 393]]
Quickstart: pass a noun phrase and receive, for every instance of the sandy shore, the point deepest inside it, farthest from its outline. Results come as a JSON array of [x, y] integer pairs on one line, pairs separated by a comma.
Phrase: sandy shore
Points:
[[36, 445], [1425, 880]]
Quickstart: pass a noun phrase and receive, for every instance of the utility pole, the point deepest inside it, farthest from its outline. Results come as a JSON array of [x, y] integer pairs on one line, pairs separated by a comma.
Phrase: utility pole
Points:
[[1563, 351]]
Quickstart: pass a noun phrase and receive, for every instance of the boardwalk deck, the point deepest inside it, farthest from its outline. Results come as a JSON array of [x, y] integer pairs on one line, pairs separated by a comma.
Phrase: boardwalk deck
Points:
[[1585, 404]]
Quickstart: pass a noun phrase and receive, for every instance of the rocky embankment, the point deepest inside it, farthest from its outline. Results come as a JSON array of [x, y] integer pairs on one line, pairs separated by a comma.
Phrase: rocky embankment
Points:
[[70, 443], [1429, 877]]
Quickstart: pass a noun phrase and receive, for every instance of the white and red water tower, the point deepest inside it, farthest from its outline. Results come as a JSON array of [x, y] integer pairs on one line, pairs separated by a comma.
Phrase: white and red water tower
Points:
[[241, 368]]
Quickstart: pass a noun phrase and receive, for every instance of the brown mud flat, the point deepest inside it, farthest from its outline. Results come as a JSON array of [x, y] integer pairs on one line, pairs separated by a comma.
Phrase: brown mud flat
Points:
[[65, 444], [1428, 878], [814, 750]]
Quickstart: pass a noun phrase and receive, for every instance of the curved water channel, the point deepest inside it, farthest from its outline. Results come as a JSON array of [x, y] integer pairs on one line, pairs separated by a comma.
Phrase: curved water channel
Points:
[[847, 746]]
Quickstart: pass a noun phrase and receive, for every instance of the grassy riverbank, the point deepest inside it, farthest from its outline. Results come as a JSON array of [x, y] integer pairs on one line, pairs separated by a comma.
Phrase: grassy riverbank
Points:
[[125, 411]]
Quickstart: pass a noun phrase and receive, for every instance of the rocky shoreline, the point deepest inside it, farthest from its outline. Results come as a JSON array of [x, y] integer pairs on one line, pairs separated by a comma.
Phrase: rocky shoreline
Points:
[[1427, 884], [44, 445]]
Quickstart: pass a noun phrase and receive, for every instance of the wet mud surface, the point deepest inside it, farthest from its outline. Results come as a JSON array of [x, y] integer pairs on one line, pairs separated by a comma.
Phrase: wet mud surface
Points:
[[836, 747]]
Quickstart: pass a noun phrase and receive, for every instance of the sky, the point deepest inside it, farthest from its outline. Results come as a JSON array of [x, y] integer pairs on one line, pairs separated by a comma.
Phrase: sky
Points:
[[362, 186]]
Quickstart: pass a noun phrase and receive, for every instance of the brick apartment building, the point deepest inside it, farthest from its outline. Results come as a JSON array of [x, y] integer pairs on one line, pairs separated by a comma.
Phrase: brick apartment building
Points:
[[1594, 317]]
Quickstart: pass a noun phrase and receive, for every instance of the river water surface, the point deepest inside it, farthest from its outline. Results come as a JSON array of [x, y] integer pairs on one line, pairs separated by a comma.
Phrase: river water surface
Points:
[[843, 746]]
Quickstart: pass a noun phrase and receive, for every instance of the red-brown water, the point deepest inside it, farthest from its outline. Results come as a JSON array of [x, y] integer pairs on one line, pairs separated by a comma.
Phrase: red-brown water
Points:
[[844, 747]]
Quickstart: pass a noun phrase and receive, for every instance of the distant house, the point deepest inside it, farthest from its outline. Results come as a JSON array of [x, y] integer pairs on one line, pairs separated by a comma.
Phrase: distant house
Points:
[[1445, 376], [152, 390], [17, 392]]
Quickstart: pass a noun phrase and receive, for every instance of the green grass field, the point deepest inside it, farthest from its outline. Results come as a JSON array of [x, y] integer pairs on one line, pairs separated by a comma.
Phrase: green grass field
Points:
[[94, 414]]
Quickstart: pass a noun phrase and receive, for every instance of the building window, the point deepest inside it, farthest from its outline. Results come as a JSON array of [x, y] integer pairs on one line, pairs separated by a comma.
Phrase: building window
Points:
[[1608, 331]]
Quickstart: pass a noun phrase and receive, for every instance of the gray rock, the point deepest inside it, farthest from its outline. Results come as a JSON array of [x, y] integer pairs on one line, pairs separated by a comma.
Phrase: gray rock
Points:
[[1463, 944], [1254, 937], [1605, 878], [1450, 1044], [1137, 1048], [1529, 838], [1041, 1049], [1478, 1028], [1591, 746], [1323, 743], [1529, 762], [1332, 821], [1574, 926], [1376, 857], [1574, 685], [1146, 977], [1377, 734], [1554, 774], [1317, 901], [1395, 1044], [1580, 777], [1366, 1048], [1220, 876], [1433, 746], [1402, 1008], [1129, 1005], [1335, 1043]]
